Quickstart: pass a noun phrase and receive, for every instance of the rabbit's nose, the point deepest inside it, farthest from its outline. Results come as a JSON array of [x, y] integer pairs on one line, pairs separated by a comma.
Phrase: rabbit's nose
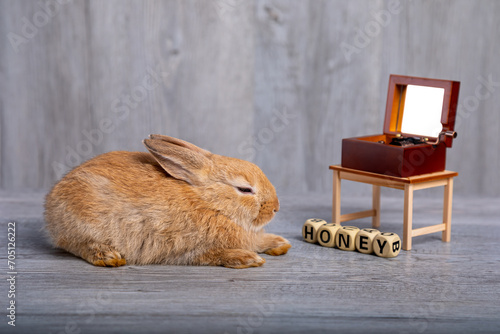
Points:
[[276, 206]]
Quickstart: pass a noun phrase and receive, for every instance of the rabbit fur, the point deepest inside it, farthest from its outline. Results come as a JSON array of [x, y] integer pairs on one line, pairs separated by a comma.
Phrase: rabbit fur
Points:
[[178, 204]]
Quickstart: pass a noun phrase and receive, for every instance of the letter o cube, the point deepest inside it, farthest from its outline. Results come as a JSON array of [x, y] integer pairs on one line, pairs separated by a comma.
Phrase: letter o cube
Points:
[[326, 234], [346, 238], [364, 240], [310, 229], [387, 244]]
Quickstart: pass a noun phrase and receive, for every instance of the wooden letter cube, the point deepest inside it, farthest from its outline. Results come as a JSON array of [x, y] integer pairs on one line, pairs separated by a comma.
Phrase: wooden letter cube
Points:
[[326, 234], [310, 229], [364, 240], [387, 244], [346, 238]]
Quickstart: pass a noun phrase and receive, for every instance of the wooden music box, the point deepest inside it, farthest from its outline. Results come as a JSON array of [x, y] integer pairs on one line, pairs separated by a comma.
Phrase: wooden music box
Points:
[[418, 128]]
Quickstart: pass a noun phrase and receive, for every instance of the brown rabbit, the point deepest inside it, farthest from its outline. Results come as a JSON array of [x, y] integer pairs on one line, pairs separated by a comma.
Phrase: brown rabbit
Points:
[[178, 205]]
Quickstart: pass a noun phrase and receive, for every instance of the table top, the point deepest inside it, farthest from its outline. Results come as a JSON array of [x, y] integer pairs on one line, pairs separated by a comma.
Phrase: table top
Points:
[[411, 179]]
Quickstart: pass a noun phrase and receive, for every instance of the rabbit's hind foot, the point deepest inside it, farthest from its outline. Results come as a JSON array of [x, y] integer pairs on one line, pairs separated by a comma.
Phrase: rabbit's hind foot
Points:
[[231, 258], [240, 259], [104, 256]]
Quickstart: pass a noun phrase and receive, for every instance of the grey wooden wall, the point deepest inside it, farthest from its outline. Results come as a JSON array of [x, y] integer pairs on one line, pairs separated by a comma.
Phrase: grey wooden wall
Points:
[[276, 82]]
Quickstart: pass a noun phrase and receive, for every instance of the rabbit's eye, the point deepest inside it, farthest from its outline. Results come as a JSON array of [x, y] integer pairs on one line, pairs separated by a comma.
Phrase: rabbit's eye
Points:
[[245, 190]]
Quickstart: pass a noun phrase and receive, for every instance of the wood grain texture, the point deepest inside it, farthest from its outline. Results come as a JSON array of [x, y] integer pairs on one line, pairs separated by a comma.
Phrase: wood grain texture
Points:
[[437, 287], [266, 80]]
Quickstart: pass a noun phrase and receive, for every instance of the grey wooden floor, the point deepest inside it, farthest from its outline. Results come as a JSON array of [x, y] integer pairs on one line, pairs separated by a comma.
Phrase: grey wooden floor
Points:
[[435, 288]]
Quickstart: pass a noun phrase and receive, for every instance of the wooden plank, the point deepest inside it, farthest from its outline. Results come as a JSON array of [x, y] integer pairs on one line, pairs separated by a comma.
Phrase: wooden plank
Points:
[[291, 293], [428, 229], [178, 68], [223, 89], [447, 203], [372, 179], [432, 176], [393, 179], [408, 216], [357, 215], [336, 201], [430, 184], [376, 206]]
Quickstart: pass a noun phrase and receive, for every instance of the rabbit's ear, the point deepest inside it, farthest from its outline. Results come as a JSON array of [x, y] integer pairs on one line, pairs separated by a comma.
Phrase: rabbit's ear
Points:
[[180, 142], [179, 161]]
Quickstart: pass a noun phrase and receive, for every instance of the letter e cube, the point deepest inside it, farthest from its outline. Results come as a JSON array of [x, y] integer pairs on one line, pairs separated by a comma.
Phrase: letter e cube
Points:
[[364, 240]]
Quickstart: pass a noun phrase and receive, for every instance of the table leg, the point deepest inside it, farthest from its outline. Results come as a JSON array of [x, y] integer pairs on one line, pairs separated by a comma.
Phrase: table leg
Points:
[[336, 198], [376, 207], [448, 196], [408, 217]]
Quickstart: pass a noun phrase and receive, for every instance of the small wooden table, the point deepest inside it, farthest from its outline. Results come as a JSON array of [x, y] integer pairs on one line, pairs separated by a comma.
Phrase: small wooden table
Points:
[[408, 184]]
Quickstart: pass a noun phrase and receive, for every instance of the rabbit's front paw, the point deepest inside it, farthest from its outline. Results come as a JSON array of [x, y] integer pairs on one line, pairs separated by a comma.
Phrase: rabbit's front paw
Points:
[[275, 245], [240, 258], [281, 250], [104, 256]]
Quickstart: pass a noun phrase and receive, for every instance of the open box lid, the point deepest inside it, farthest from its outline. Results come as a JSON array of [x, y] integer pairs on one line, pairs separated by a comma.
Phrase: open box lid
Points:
[[420, 107]]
